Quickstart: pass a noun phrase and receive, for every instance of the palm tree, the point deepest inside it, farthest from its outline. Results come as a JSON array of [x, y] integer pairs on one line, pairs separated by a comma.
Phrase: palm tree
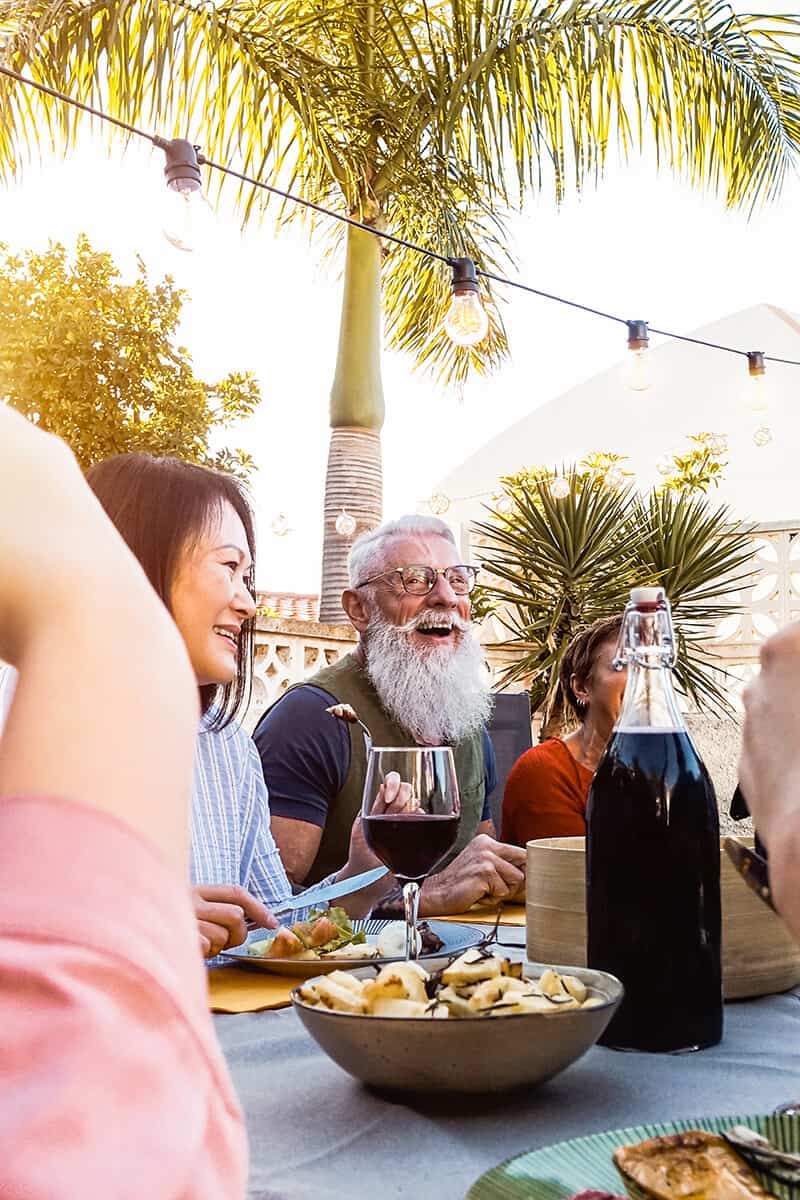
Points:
[[428, 118]]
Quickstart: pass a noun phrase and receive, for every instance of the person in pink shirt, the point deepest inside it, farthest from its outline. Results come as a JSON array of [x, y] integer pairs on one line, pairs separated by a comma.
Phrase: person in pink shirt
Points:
[[112, 1085]]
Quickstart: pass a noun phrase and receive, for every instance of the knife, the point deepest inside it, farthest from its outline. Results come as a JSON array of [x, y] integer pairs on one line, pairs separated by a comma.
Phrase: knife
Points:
[[331, 890], [753, 869]]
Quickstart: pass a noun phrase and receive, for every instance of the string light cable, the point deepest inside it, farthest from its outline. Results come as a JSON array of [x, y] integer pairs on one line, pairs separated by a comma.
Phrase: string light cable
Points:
[[464, 323]]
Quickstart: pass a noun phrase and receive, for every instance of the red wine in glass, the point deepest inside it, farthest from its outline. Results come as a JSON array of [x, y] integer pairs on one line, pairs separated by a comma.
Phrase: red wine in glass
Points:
[[410, 814], [411, 844]]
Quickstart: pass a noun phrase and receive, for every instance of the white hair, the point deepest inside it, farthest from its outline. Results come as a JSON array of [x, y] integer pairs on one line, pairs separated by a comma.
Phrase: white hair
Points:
[[369, 555]]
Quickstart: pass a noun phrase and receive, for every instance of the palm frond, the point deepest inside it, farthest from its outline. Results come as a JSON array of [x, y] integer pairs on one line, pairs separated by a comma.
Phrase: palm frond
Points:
[[437, 115], [556, 565]]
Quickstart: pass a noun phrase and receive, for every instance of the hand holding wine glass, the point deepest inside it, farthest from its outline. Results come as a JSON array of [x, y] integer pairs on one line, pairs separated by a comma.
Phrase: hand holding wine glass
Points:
[[410, 814]]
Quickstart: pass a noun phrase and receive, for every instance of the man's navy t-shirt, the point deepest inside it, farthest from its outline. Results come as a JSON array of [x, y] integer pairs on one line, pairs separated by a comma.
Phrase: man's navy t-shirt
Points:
[[305, 753]]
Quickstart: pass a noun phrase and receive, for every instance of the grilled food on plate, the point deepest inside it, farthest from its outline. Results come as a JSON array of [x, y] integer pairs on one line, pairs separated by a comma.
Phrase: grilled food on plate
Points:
[[687, 1166]]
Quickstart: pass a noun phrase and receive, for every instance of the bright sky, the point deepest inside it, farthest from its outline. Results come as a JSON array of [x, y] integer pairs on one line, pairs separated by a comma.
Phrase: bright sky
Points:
[[642, 245]]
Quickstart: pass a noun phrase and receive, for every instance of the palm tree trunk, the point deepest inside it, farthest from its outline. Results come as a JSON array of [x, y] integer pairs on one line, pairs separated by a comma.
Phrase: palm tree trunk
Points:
[[354, 478]]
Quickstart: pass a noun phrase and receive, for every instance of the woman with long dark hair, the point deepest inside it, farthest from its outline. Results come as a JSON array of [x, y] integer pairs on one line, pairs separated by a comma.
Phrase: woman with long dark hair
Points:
[[192, 531]]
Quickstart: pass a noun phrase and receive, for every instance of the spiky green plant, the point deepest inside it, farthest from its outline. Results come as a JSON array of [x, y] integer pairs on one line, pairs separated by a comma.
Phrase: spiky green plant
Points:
[[556, 565], [429, 118]]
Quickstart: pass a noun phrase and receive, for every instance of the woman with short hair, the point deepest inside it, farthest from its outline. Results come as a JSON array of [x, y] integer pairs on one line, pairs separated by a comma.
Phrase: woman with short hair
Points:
[[548, 786]]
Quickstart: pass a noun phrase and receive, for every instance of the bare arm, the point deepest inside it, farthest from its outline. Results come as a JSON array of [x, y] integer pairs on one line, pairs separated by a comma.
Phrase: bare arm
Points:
[[298, 842], [77, 611], [769, 770]]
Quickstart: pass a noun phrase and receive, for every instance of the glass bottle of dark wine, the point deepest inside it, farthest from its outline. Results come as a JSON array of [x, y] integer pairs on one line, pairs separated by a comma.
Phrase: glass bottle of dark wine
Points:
[[653, 854]]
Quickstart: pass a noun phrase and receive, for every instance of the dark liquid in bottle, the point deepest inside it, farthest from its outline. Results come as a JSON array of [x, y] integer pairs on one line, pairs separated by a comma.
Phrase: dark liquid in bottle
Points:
[[652, 891], [410, 844]]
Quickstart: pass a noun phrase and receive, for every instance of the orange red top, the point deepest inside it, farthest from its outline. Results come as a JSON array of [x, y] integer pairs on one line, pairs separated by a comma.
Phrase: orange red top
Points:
[[545, 796]]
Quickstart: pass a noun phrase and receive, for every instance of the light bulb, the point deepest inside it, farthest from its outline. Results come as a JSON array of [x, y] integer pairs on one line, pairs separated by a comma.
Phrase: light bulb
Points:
[[559, 487], [187, 212], [665, 465], [505, 505], [439, 503], [638, 370], [614, 477], [758, 400], [762, 436], [467, 321], [187, 215], [345, 524], [280, 526], [717, 445]]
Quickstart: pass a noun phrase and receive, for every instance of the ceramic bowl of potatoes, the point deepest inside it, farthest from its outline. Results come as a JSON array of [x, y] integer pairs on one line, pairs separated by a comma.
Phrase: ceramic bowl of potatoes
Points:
[[477, 1023]]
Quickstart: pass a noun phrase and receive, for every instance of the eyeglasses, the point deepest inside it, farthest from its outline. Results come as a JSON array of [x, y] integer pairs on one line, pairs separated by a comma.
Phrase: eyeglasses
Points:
[[418, 581]]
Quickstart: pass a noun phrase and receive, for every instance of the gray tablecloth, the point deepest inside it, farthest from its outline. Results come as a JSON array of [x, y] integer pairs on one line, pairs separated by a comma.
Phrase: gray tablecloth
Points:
[[317, 1134]]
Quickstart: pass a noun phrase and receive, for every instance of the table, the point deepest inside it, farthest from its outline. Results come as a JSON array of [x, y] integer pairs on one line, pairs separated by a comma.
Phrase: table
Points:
[[317, 1134]]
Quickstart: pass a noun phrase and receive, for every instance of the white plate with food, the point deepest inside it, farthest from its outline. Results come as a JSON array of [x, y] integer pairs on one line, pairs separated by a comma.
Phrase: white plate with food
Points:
[[329, 941]]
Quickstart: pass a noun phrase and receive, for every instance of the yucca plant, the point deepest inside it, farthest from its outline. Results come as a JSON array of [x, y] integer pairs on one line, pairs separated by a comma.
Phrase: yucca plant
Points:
[[557, 564], [427, 118], [701, 557]]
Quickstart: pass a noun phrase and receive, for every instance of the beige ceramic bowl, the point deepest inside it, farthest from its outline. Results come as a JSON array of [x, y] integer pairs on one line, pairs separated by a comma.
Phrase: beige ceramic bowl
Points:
[[484, 1054], [758, 954]]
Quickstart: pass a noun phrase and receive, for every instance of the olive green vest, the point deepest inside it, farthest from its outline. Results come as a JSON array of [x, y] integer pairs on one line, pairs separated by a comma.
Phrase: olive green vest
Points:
[[347, 681]]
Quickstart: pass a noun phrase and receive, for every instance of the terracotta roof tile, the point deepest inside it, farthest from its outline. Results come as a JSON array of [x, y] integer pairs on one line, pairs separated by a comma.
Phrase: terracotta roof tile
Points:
[[290, 606]]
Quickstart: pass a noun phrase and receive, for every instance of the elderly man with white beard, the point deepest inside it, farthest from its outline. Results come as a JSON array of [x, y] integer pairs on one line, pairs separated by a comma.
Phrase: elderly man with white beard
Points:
[[416, 677]]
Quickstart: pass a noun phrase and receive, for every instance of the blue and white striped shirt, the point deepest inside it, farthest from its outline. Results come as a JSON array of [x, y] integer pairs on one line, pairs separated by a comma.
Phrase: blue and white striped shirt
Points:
[[231, 838]]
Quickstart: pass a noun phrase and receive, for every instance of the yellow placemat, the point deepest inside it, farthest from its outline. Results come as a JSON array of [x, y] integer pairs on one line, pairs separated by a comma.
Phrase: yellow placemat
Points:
[[237, 990], [486, 914]]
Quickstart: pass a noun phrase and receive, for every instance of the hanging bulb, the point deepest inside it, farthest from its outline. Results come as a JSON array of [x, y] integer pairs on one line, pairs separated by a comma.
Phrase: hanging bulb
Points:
[[762, 436], [717, 445], [614, 477], [439, 503], [280, 526], [188, 212], [638, 366], [505, 505], [467, 321], [665, 465], [758, 399], [559, 487], [345, 524]]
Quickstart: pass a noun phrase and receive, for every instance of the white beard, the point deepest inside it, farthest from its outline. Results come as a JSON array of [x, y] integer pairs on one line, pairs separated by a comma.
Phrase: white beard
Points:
[[440, 696]]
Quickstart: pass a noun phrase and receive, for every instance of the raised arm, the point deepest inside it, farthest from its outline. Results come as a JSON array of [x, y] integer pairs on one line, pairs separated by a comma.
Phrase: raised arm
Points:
[[104, 995], [76, 608]]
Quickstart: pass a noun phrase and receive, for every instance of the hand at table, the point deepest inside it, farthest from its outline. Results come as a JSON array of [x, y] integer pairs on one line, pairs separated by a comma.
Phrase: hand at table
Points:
[[769, 770], [221, 910], [485, 870]]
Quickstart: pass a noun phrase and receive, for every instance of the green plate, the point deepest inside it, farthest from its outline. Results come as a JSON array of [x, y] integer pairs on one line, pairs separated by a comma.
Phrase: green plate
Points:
[[558, 1171]]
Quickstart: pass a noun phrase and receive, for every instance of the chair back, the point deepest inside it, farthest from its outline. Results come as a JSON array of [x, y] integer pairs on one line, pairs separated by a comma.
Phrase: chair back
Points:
[[510, 733]]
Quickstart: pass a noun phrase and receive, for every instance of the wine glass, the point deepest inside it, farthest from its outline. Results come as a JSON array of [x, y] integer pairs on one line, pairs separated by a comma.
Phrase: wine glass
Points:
[[410, 828]]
